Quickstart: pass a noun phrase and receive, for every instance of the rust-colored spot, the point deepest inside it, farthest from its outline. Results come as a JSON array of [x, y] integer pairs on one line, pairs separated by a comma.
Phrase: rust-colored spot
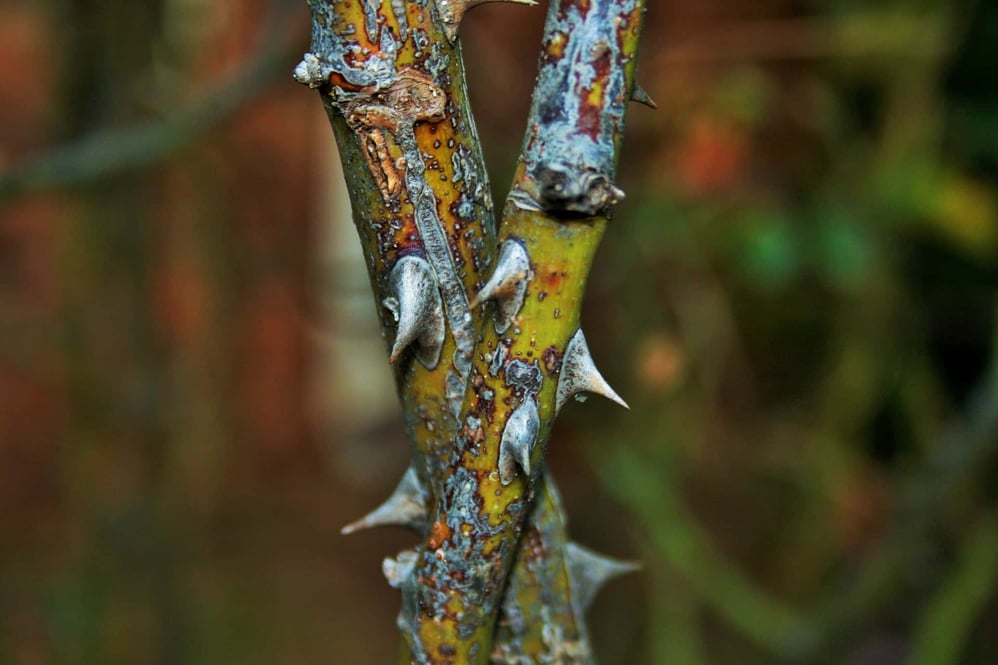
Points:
[[591, 108], [439, 533], [474, 436], [553, 279], [556, 48], [552, 360], [532, 546]]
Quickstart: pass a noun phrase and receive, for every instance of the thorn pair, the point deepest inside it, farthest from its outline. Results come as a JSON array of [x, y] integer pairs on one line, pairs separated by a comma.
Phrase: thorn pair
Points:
[[578, 376]]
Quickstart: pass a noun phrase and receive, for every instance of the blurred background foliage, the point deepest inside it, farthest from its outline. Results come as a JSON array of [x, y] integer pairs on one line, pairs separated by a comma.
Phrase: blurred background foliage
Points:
[[798, 299]]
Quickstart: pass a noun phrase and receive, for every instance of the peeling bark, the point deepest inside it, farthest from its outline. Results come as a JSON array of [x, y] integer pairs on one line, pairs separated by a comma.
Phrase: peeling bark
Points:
[[481, 377]]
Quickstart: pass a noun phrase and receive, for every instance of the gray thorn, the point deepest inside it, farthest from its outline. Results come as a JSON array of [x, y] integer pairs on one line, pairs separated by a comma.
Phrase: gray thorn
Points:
[[415, 303], [579, 375], [406, 507], [518, 440], [639, 95], [508, 283], [588, 572]]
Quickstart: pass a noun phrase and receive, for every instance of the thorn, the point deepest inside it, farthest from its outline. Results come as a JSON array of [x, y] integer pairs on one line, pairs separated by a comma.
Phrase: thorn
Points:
[[452, 11], [415, 304], [639, 95], [508, 283], [579, 375], [588, 572], [518, 439], [406, 507], [399, 569]]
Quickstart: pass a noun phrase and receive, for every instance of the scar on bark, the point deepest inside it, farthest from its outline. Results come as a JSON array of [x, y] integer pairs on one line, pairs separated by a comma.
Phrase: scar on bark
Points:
[[411, 98]]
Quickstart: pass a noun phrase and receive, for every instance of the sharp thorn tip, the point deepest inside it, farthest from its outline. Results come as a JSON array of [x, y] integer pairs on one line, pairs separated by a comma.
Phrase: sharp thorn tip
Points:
[[589, 572], [579, 375], [639, 95], [417, 308], [405, 507]]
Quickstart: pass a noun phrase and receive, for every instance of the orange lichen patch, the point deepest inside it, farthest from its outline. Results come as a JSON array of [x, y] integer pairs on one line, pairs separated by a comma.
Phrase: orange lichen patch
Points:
[[382, 165], [439, 534], [553, 279], [335, 78], [474, 436], [593, 101], [556, 48]]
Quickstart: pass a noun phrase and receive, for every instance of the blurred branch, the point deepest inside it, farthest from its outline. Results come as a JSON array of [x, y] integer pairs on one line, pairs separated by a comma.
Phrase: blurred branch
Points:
[[967, 448], [108, 152], [857, 34], [950, 616], [685, 547]]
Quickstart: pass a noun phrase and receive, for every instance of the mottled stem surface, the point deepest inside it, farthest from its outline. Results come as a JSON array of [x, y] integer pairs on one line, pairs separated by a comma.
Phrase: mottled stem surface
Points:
[[482, 365], [533, 355]]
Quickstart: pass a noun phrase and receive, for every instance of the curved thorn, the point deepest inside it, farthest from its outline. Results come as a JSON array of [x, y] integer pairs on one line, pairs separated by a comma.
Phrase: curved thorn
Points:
[[639, 95], [508, 283], [415, 303], [579, 375], [588, 572], [518, 439], [406, 507], [452, 11]]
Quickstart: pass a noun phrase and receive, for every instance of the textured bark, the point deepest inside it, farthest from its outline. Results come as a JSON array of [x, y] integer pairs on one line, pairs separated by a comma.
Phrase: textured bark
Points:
[[480, 378]]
